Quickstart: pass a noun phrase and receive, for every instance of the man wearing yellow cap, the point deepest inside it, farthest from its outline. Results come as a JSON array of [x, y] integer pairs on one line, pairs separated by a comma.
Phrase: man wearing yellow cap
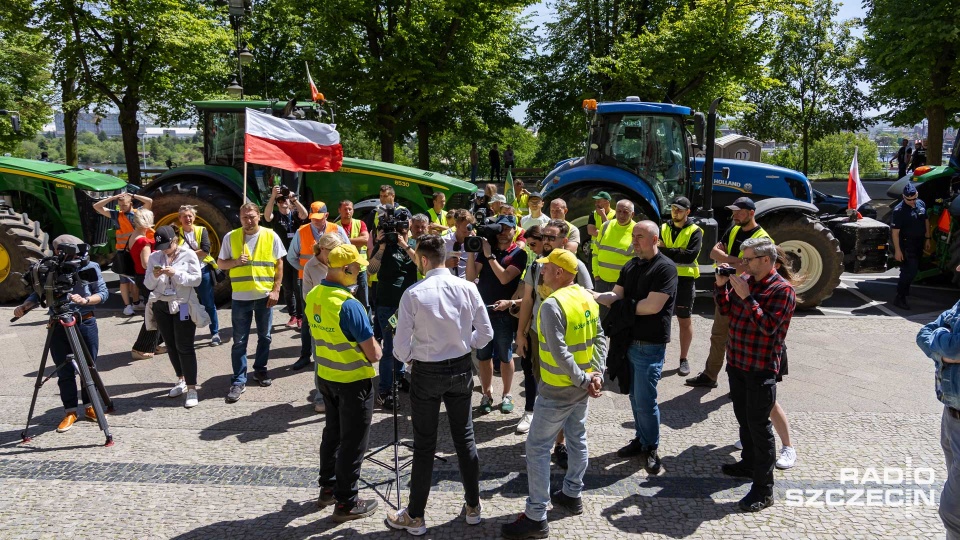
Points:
[[572, 353], [344, 351]]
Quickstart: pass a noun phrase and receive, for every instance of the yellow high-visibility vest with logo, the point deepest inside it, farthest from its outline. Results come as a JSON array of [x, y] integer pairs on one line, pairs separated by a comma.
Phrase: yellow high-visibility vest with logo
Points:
[[616, 248], [681, 241], [259, 272], [582, 314], [435, 217], [594, 244], [759, 233], [338, 359], [198, 234]]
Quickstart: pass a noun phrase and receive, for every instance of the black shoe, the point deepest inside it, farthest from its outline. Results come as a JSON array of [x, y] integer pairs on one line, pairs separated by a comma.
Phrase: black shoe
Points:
[[524, 528], [233, 395], [901, 302], [326, 497], [363, 508], [652, 463], [301, 363], [738, 470], [574, 505], [754, 504], [403, 385], [634, 448], [701, 380], [560, 455], [684, 368], [262, 378], [386, 402]]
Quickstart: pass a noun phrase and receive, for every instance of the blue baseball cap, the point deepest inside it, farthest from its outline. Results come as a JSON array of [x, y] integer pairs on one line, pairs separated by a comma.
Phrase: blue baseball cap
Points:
[[909, 190], [509, 221]]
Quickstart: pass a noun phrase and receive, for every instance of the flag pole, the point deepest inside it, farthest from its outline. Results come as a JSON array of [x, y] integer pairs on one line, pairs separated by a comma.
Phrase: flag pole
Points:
[[246, 126]]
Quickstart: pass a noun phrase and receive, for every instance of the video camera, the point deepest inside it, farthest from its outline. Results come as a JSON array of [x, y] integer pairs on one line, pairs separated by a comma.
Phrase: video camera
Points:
[[54, 278], [487, 229], [726, 271], [393, 222]]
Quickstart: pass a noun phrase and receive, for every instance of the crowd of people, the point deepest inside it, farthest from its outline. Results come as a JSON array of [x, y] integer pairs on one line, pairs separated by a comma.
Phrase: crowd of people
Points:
[[426, 302]]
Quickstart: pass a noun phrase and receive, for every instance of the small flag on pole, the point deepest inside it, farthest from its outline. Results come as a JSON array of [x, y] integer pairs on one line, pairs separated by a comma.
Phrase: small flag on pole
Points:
[[855, 190], [315, 94], [508, 190]]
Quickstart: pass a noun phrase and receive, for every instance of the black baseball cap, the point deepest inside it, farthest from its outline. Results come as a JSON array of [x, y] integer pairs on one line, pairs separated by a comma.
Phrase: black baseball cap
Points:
[[681, 202], [743, 203], [509, 221], [163, 237]]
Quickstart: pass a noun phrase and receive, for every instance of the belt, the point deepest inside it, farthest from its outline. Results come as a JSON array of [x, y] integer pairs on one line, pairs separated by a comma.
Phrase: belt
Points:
[[953, 412], [448, 362], [642, 342]]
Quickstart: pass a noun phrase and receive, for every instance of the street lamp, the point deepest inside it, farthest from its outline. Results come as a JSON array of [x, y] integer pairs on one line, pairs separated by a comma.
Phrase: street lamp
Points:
[[234, 90], [245, 55], [238, 9]]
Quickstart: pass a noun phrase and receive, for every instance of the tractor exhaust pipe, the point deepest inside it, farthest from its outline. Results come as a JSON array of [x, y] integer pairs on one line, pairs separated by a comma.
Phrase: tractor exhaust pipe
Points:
[[711, 137]]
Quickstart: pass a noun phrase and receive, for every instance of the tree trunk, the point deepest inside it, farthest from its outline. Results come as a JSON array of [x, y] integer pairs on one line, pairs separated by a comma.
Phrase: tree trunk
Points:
[[937, 121], [129, 126], [423, 145], [806, 150], [68, 91], [387, 124]]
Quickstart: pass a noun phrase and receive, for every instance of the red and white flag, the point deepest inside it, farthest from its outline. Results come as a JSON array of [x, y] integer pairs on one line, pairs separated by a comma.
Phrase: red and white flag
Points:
[[292, 145], [855, 190], [315, 95]]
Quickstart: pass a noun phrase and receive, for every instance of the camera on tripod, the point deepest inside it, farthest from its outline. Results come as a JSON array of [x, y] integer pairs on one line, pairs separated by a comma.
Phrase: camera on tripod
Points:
[[487, 229], [54, 278], [393, 222]]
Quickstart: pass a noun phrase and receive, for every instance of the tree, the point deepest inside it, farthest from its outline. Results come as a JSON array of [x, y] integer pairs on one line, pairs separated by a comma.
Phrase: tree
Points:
[[152, 56], [24, 73], [912, 62]]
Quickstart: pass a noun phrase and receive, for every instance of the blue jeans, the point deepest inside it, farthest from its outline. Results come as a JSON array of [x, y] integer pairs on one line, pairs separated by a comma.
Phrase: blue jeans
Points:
[[389, 367], [66, 374], [646, 365], [950, 497], [504, 331], [205, 294], [549, 417], [241, 316]]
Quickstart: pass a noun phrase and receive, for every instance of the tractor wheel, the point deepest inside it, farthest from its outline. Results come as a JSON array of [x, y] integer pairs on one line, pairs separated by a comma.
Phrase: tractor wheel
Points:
[[22, 243], [217, 211], [818, 259]]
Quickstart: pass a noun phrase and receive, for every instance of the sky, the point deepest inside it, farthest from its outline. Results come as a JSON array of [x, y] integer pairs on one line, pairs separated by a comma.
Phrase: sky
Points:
[[542, 12]]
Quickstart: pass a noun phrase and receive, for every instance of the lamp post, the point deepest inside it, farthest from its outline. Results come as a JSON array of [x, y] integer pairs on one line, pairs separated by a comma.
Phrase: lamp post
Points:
[[238, 9]]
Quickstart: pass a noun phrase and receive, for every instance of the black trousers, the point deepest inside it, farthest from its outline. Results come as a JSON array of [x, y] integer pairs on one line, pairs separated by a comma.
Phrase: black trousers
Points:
[[754, 393], [449, 382], [912, 249], [147, 340], [290, 289], [179, 336], [345, 436]]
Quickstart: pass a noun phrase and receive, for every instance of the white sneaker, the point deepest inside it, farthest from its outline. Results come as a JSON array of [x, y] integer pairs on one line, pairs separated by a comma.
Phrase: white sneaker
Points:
[[472, 514], [738, 445], [140, 306], [215, 340], [128, 310], [525, 420], [179, 389], [788, 458], [402, 521], [192, 400]]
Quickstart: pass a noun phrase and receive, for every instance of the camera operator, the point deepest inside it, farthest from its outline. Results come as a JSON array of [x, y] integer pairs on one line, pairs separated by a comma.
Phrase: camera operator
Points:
[[388, 197], [289, 217], [759, 304], [84, 296], [453, 242], [392, 264], [498, 270]]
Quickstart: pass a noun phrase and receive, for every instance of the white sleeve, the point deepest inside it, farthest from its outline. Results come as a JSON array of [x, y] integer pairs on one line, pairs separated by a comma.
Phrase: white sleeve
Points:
[[278, 250], [225, 252]]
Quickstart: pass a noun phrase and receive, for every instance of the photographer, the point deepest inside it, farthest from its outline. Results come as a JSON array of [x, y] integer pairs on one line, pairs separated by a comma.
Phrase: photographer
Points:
[[174, 308], [759, 304], [290, 216], [453, 242], [498, 271], [84, 296], [392, 264]]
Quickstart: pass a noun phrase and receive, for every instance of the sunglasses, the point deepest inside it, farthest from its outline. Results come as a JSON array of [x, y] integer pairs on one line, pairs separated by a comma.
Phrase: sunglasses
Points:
[[550, 237], [910, 198]]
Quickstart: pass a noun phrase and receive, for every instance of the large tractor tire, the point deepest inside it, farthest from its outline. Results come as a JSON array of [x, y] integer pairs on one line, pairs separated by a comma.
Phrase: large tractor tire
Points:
[[816, 252], [22, 243], [217, 211]]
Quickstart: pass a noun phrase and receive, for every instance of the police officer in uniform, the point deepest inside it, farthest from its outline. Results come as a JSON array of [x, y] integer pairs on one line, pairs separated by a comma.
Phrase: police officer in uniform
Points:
[[910, 230], [345, 350], [680, 240]]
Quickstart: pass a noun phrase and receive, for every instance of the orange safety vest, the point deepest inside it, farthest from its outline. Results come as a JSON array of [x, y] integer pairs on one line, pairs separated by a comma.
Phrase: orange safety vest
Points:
[[124, 232], [307, 241]]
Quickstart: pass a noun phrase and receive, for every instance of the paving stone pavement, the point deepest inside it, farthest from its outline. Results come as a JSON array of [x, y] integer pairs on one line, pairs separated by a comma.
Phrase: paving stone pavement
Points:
[[859, 395]]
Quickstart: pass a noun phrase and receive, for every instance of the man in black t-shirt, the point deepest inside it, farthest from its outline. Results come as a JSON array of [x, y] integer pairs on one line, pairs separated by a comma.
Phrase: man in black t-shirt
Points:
[[498, 269], [289, 215], [649, 281]]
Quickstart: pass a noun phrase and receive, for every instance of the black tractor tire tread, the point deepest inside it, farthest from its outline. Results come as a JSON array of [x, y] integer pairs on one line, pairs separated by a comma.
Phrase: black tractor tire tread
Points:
[[788, 226], [218, 205], [26, 243]]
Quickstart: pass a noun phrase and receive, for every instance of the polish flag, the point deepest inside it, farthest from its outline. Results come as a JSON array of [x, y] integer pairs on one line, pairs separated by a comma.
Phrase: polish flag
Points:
[[315, 94], [292, 145], [855, 190]]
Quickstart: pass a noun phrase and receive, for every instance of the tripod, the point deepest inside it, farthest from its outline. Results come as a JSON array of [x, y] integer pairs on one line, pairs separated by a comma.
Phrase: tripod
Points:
[[82, 363]]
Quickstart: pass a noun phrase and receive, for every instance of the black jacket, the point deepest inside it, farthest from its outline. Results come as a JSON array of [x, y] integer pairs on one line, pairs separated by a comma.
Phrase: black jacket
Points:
[[618, 326]]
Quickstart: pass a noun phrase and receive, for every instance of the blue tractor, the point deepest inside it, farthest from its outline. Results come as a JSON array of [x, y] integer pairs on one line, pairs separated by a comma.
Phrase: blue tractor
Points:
[[644, 152]]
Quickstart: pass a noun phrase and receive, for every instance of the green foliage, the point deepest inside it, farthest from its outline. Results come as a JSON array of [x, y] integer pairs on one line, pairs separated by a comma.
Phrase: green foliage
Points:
[[93, 149], [24, 73], [832, 154]]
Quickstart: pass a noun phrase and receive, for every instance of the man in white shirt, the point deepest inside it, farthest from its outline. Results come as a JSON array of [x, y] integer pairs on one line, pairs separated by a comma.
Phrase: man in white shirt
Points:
[[536, 216], [453, 242], [439, 321]]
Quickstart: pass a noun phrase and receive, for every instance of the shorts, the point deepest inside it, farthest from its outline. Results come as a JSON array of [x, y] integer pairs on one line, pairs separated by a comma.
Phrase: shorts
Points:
[[783, 365], [686, 291], [126, 279]]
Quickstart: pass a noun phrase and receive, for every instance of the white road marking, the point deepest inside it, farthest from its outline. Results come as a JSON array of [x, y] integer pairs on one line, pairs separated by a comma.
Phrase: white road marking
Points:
[[869, 302]]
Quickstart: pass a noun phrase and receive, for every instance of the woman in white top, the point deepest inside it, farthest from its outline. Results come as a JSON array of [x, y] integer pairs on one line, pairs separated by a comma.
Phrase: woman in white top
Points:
[[173, 272]]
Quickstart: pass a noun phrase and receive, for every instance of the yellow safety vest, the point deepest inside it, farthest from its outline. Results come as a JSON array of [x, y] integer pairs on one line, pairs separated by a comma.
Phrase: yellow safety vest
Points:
[[759, 233], [338, 359], [582, 314], [198, 234], [355, 233], [259, 272], [436, 218], [681, 241], [616, 248], [594, 244]]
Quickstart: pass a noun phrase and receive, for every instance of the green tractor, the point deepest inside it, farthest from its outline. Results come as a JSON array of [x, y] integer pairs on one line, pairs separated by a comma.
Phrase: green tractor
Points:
[[60, 199], [939, 188], [215, 187]]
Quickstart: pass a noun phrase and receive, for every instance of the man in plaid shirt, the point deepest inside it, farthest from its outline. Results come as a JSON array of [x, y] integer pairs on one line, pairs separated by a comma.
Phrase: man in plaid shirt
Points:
[[760, 304]]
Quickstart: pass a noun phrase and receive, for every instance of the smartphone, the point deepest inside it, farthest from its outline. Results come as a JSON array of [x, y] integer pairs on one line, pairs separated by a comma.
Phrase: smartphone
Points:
[[184, 312]]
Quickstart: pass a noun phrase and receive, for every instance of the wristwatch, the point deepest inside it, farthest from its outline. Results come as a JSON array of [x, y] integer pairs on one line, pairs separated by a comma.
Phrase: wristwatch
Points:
[[491, 257]]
